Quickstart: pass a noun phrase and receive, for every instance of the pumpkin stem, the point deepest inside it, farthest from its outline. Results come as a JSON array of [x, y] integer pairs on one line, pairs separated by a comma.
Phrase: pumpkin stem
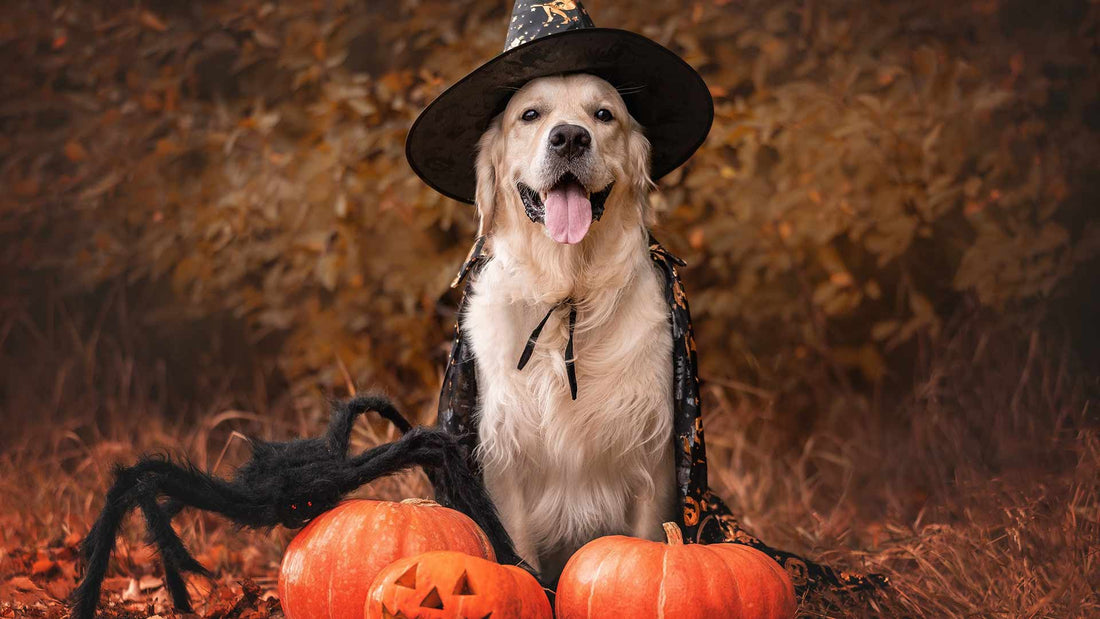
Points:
[[673, 533], [417, 502]]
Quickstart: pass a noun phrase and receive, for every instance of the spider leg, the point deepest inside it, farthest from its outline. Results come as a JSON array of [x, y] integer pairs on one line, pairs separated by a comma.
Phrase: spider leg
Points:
[[345, 413], [172, 507], [99, 543], [139, 486], [444, 459], [168, 542], [442, 456], [89, 543], [457, 486], [437, 451], [173, 554], [91, 540]]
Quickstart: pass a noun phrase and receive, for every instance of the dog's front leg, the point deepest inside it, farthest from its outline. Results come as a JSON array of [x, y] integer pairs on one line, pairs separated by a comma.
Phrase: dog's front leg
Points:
[[507, 494], [651, 510]]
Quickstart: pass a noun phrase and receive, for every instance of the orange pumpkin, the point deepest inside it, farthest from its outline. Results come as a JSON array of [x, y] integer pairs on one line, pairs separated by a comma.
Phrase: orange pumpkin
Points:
[[329, 566], [452, 585], [619, 576]]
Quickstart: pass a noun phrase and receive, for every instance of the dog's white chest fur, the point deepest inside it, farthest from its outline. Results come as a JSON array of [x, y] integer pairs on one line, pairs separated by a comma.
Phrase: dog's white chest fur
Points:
[[563, 472]]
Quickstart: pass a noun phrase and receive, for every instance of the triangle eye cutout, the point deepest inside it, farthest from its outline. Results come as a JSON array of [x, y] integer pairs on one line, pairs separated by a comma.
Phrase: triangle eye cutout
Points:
[[432, 600], [462, 587], [389, 614], [408, 579]]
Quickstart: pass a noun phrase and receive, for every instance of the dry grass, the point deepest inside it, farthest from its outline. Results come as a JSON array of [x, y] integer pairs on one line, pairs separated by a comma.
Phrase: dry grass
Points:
[[978, 494], [63, 435]]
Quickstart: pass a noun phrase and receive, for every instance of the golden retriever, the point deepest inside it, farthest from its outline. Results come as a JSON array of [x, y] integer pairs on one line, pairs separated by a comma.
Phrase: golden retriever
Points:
[[563, 195]]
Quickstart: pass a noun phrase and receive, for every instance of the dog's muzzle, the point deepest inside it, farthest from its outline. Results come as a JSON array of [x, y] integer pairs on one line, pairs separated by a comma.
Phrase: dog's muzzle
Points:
[[568, 209]]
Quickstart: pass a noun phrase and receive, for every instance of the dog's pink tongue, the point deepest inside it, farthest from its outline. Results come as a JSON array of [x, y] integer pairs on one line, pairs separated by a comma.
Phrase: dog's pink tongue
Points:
[[568, 213]]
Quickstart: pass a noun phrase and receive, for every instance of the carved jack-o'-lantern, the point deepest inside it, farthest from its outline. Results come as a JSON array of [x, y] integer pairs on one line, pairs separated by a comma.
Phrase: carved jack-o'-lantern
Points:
[[328, 568], [453, 585]]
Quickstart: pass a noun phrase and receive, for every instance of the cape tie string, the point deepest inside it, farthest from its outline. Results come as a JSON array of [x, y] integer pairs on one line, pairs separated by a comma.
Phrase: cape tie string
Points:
[[570, 360]]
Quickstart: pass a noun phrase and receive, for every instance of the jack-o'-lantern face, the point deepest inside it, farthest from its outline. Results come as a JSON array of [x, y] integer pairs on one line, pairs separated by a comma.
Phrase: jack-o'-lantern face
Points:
[[430, 602], [691, 511], [452, 585]]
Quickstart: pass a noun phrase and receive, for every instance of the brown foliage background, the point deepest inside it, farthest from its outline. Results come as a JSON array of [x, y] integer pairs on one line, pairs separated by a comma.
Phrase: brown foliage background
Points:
[[869, 166], [205, 207]]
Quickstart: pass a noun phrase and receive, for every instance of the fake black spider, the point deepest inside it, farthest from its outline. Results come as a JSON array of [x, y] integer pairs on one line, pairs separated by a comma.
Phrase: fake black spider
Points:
[[285, 483]]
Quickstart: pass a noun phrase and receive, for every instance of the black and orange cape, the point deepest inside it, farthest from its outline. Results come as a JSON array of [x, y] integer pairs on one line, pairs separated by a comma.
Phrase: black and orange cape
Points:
[[705, 518]]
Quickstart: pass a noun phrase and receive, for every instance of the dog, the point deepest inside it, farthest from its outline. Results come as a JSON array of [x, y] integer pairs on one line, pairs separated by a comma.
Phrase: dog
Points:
[[563, 154]]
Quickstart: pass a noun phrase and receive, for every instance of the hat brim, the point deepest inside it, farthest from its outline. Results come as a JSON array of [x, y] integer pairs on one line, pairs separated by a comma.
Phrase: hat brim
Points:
[[663, 93]]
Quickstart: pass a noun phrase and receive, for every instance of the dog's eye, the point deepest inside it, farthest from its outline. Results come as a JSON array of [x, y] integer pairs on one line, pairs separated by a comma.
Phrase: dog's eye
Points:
[[530, 115], [604, 115]]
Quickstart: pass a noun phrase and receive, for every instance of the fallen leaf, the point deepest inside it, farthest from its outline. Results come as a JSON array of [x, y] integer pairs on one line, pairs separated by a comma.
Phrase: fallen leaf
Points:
[[115, 583], [151, 21], [132, 592], [75, 152], [43, 566], [841, 279], [162, 600], [697, 238], [60, 588], [22, 583], [105, 184], [265, 39], [199, 587]]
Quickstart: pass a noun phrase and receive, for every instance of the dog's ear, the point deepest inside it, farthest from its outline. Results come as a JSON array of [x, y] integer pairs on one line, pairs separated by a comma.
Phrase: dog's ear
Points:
[[488, 158], [638, 154]]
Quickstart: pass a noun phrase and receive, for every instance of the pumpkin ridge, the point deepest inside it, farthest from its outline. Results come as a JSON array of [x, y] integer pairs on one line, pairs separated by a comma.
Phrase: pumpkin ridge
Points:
[[338, 523], [613, 577], [596, 579], [734, 587], [661, 588]]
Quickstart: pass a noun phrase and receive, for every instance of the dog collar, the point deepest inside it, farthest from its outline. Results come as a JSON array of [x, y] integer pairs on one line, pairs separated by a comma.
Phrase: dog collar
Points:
[[474, 258], [570, 359]]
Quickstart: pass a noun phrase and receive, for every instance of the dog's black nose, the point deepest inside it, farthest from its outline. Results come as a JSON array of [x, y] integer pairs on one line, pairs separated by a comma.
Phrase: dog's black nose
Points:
[[569, 141]]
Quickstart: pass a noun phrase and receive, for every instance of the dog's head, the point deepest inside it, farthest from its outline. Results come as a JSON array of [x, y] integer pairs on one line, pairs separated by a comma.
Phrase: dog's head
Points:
[[564, 150]]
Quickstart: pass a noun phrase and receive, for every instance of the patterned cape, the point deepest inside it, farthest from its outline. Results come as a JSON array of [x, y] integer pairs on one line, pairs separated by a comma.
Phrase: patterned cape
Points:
[[704, 518]]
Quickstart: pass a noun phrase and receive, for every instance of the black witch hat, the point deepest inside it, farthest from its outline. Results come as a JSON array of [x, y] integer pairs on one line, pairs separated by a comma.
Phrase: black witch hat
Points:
[[662, 92]]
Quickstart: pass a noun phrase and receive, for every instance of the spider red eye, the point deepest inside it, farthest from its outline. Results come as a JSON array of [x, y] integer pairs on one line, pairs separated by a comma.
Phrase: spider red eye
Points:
[[309, 503], [293, 507]]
